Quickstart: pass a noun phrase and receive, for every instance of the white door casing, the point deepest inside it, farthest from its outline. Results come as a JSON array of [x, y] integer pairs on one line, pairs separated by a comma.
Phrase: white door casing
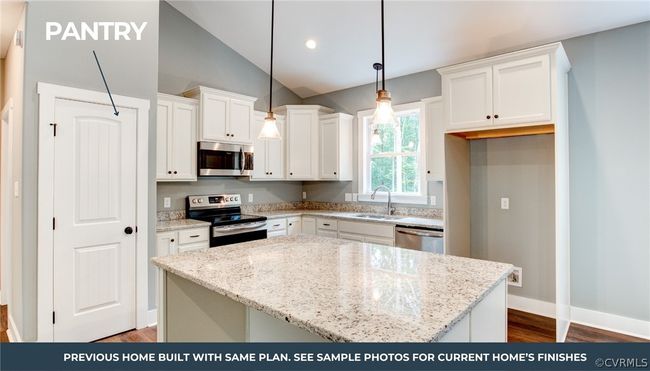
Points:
[[6, 201], [92, 230], [94, 202]]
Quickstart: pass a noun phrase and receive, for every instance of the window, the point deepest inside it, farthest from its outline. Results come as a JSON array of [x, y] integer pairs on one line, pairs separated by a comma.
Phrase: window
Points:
[[396, 160]]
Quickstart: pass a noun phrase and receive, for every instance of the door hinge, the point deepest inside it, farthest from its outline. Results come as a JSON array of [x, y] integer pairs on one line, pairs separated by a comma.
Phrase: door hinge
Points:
[[53, 223], [53, 317], [53, 125]]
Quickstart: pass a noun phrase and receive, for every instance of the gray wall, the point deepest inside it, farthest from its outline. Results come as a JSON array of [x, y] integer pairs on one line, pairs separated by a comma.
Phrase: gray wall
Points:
[[521, 169], [405, 89], [609, 117], [189, 56], [130, 68]]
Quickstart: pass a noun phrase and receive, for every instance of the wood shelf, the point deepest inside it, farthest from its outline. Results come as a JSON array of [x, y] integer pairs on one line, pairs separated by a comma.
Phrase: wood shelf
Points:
[[506, 132]]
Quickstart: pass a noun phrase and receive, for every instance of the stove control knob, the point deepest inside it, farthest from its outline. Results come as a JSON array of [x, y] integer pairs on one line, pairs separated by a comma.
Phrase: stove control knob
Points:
[[200, 200], [236, 198], [194, 200]]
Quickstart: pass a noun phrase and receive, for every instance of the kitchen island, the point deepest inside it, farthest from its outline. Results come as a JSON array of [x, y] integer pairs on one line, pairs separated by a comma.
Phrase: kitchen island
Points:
[[310, 288]]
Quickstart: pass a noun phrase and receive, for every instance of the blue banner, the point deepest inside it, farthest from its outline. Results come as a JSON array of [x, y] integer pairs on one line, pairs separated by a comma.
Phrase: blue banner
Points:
[[313, 356]]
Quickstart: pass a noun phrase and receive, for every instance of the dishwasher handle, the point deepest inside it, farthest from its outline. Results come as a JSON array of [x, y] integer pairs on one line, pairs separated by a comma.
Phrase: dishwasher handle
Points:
[[420, 233]]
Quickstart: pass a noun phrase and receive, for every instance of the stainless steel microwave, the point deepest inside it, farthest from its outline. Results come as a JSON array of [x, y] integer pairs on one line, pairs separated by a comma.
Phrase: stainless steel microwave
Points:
[[224, 159]]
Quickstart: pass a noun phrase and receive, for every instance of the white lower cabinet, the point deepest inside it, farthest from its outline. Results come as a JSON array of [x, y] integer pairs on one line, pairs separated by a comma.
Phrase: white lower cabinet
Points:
[[276, 227], [174, 242], [486, 323], [383, 234], [308, 225], [294, 225]]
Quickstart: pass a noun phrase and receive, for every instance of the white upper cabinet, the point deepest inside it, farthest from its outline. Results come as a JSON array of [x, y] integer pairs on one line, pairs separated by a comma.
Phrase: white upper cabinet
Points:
[[522, 91], [335, 144], [435, 132], [469, 98], [510, 90], [224, 116], [176, 138], [269, 153], [302, 133]]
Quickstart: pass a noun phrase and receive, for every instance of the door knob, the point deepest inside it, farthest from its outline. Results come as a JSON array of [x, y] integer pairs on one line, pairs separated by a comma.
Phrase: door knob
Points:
[[128, 230]]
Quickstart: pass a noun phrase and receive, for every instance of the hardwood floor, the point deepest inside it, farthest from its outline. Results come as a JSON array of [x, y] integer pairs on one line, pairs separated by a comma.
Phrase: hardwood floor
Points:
[[523, 327]]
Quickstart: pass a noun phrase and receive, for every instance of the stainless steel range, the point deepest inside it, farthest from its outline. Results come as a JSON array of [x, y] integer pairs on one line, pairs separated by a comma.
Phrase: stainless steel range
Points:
[[229, 225]]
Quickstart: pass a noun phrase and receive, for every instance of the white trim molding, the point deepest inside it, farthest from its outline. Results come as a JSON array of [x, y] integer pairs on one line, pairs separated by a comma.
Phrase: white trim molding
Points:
[[152, 317], [611, 322], [534, 306], [12, 332], [48, 94]]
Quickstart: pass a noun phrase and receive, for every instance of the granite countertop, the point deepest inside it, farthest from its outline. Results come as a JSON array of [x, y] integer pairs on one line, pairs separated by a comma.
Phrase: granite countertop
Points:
[[174, 225], [344, 291], [346, 215]]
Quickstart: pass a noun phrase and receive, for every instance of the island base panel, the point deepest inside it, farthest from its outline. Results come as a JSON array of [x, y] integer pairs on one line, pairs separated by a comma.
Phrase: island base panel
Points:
[[195, 314]]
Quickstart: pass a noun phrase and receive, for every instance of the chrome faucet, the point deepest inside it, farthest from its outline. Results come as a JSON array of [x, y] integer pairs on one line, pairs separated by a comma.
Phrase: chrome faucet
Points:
[[389, 207]]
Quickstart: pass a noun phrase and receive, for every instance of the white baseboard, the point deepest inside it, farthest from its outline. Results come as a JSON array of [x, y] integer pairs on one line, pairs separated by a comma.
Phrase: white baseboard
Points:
[[12, 332], [611, 322], [524, 304], [152, 317]]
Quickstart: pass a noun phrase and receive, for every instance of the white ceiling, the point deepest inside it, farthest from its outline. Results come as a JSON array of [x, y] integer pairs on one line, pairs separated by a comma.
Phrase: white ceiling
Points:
[[420, 35], [9, 16]]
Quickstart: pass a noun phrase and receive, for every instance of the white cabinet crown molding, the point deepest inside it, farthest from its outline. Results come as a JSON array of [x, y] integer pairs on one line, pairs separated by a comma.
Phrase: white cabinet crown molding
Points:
[[204, 89]]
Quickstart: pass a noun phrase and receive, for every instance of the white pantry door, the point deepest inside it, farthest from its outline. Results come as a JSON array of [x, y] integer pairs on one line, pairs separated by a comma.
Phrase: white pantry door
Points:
[[94, 279]]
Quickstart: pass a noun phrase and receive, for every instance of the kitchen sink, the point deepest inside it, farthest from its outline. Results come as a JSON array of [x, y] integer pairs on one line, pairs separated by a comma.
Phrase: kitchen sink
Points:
[[378, 216]]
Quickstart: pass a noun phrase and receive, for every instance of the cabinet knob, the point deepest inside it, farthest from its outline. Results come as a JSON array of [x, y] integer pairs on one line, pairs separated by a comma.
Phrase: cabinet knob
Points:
[[488, 117], [175, 172], [335, 173], [290, 173], [227, 134], [496, 116], [172, 240], [428, 171], [232, 135], [169, 172], [271, 173]]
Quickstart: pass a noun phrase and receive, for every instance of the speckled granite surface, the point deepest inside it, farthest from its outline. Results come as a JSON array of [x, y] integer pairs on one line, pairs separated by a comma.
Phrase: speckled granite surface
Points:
[[174, 225], [344, 291]]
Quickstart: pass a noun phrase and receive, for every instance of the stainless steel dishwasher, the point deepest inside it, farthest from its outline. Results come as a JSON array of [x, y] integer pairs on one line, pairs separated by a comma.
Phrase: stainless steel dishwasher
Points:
[[418, 238]]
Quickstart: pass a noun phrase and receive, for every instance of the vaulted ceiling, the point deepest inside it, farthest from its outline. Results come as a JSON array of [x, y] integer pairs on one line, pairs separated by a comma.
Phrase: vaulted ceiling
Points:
[[420, 35]]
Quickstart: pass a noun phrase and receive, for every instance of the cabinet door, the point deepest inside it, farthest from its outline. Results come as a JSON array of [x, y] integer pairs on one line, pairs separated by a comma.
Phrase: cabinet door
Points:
[[308, 225], [214, 117], [327, 233], [259, 159], [166, 243], [275, 153], [435, 140], [163, 132], [522, 91], [329, 148], [183, 142], [489, 318], [294, 226], [468, 99], [300, 132], [278, 233], [241, 120]]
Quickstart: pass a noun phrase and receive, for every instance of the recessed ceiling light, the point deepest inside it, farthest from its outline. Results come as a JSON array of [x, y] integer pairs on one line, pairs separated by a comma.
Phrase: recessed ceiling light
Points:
[[311, 44]]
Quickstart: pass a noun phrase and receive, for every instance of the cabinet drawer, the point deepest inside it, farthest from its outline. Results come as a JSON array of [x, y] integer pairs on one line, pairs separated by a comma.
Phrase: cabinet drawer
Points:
[[379, 240], [276, 224], [187, 236], [278, 233], [368, 229], [328, 224], [193, 246], [350, 236], [327, 233]]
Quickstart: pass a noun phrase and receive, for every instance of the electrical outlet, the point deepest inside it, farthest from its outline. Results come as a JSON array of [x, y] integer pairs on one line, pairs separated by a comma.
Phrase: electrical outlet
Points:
[[515, 278], [348, 197], [304, 195], [355, 197], [250, 197], [434, 200], [505, 203], [167, 202]]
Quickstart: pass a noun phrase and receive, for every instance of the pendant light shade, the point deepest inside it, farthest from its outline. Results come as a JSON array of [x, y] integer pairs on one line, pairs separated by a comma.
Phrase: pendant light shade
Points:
[[384, 112], [270, 127]]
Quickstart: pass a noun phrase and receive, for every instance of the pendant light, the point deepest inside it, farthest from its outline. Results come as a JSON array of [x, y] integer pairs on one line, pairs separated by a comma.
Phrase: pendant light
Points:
[[270, 127], [384, 112], [375, 138]]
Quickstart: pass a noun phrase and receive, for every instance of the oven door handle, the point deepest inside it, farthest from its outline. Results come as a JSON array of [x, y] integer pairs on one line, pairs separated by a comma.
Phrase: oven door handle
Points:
[[242, 228], [242, 160]]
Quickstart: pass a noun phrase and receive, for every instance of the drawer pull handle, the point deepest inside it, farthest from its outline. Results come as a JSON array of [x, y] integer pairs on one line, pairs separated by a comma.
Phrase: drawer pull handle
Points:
[[195, 236], [326, 224], [276, 225]]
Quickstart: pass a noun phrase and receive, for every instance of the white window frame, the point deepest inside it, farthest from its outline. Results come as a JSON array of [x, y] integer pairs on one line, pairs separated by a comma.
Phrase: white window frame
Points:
[[364, 153]]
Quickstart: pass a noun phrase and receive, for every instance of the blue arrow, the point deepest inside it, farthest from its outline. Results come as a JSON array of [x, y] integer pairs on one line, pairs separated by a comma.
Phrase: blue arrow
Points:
[[116, 113]]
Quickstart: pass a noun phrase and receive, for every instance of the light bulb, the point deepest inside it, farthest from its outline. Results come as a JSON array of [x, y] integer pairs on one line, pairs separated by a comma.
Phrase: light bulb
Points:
[[376, 138], [270, 128], [384, 112]]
